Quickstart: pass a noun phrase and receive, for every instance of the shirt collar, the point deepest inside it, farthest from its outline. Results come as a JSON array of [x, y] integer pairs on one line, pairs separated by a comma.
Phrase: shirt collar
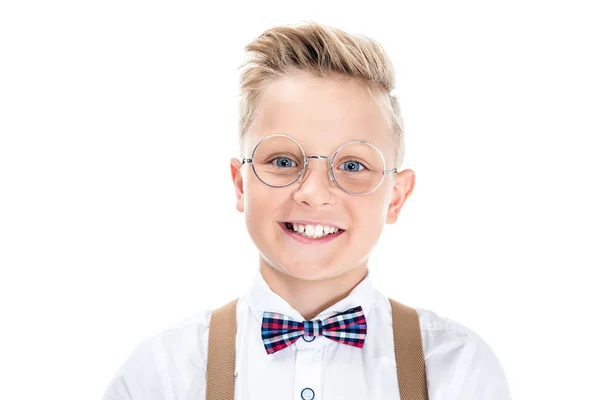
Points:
[[261, 298]]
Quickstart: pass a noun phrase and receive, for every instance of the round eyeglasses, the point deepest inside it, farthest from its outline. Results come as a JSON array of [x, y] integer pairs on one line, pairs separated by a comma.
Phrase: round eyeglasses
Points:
[[357, 167]]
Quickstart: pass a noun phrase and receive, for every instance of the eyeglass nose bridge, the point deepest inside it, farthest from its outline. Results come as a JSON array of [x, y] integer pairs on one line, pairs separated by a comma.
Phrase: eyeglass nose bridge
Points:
[[331, 178]]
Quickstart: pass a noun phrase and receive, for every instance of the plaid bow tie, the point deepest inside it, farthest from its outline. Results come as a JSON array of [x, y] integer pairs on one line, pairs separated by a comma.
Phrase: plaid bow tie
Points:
[[348, 327]]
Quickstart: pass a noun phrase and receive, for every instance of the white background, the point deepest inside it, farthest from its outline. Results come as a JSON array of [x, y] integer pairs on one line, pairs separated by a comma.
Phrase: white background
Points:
[[117, 212]]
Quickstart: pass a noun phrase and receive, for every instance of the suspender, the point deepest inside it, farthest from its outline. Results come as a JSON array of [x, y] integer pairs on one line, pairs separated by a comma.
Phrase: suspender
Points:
[[408, 348], [410, 361], [220, 366]]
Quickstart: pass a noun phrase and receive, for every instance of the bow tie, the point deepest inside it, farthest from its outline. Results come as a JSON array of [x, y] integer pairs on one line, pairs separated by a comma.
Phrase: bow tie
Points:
[[348, 327]]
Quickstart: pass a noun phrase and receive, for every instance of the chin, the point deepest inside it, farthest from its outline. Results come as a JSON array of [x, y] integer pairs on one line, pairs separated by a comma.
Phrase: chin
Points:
[[318, 272]]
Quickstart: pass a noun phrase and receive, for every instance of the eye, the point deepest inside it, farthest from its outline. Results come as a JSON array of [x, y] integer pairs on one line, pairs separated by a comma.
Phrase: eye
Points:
[[283, 162], [352, 166]]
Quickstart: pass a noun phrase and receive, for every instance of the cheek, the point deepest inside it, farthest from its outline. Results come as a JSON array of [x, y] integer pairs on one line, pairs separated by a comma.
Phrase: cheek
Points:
[[383, 202], [369, 210], [261, 203], [368, 220]]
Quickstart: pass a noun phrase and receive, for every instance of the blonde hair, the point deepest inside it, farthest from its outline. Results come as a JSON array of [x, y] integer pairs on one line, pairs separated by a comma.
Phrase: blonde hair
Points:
[[324, 52]]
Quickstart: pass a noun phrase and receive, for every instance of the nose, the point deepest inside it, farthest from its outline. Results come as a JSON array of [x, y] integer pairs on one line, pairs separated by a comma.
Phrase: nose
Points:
[[316, 185]]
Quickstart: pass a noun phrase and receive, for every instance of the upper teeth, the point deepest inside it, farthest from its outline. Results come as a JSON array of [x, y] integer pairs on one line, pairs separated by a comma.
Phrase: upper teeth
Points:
[[314, 231]]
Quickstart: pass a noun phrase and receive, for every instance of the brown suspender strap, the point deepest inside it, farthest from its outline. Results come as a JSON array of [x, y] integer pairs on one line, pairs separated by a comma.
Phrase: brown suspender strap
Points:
[[408, 348], [220, 366]]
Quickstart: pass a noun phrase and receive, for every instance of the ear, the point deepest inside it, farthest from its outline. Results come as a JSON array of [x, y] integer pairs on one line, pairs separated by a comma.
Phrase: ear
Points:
[[236, 177], [403, 187]]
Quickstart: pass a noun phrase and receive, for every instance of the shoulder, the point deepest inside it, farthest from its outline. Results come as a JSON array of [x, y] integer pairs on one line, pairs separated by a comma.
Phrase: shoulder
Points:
[[433, 322], [430, 321], [184, 338], [199, 320], [445, 338], [147, 371], [187, 339], [438, 333], [441, 334], [459, 362]]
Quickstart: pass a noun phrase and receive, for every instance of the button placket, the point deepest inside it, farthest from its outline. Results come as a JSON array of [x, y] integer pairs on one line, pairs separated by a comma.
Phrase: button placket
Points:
[[307, 384]]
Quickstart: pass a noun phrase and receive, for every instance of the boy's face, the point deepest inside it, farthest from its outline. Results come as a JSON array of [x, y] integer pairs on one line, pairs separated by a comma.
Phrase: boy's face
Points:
[[321, 114]]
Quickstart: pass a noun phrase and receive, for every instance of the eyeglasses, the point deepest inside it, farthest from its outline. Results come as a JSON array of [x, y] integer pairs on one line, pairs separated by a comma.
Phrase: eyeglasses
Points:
[[357, 167]]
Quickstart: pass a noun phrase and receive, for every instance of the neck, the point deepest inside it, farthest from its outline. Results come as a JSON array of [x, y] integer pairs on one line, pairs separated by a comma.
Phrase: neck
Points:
[[310, 298]]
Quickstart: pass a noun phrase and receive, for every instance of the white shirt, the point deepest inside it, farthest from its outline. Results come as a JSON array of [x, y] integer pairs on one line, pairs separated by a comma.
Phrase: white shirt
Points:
[[172, 364]]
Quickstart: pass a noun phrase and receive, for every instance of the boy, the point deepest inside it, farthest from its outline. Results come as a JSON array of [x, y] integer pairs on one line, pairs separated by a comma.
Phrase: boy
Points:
[[321, 144]]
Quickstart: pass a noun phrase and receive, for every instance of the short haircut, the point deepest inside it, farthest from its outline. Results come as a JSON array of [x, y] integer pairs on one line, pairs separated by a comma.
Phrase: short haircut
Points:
[[324, 52]]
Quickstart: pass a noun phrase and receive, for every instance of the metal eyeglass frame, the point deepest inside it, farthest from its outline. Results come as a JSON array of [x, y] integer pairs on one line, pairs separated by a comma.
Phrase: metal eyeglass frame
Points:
[[331, 174]]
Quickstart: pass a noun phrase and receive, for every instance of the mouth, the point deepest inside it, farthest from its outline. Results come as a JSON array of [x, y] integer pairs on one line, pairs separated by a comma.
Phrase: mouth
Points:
[[311, 234]]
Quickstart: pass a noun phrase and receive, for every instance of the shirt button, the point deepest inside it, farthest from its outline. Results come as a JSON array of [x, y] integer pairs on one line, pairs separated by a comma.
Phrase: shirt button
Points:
[[307, 394]]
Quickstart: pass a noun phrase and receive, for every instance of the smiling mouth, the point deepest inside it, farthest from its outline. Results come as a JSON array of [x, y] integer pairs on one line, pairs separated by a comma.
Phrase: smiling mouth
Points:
[[314, 232]]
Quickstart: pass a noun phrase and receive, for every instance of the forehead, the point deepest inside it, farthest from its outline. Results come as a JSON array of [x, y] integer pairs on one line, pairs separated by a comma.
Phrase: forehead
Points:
[[321, 113]]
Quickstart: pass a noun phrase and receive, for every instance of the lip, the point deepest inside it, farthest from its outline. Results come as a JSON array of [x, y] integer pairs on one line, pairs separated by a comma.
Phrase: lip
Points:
[[306, 240], [305, 222]]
